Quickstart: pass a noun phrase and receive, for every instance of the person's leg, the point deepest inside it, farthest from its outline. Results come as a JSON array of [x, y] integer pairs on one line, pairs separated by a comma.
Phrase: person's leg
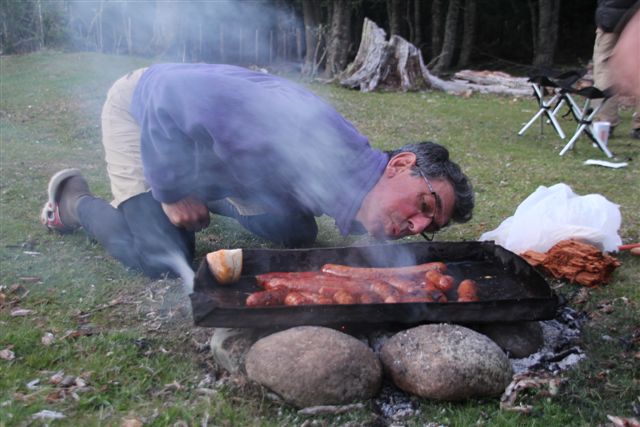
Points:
[[138, 234], [292, 230], [602, 50], [161, 246]]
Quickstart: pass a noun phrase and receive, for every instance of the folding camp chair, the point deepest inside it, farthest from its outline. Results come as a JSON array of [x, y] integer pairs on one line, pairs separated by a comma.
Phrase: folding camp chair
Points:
[[549, 107], [584, 116]]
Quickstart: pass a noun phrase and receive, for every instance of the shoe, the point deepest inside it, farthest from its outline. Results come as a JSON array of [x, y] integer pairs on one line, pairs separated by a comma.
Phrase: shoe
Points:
[[65, 189], [635, 133]]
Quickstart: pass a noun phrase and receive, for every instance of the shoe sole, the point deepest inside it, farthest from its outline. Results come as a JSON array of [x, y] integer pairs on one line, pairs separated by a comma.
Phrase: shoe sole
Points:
[[52, 192]]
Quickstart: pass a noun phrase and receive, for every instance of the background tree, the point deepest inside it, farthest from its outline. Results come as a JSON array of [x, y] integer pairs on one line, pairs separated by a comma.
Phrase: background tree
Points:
[[450, 34], [489, 34], [546, 36], [338, 44], [468, 33]]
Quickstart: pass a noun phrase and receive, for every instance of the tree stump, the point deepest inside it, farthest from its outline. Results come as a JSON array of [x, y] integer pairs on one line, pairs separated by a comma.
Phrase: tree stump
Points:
[[387, 65]]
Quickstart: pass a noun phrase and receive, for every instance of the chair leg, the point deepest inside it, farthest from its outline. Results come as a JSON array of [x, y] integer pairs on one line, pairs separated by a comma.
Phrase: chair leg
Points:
[[547, 110], [584, 126]]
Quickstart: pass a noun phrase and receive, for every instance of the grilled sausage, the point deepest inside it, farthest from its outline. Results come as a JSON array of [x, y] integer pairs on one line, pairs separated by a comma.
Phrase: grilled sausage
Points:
[[446, 282], [382, 273], [344, 297], [467, 291], [267, 298], [314, 298], [295, 298]]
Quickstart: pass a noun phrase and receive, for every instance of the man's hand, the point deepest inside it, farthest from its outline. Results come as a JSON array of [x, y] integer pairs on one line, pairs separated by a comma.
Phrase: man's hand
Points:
[[188, 213]]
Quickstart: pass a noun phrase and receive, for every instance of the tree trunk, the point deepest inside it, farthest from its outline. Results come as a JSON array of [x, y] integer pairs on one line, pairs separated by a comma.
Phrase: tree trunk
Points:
[[417, 23], [311, 16], [436, 29], [468, 33], [547, 33], [534, 24], [449, 43], [339, 38], [394, 14]]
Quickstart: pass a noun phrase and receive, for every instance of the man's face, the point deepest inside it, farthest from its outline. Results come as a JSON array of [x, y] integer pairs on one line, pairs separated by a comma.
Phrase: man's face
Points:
[[402, 204]]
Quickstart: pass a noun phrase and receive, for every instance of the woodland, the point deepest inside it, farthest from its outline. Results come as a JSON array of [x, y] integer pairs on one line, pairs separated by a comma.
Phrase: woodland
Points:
[[319, 38]]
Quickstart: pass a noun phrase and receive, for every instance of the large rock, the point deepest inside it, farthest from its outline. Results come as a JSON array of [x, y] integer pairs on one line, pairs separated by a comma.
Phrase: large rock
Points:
[[229, 346], [517, 339], [311, 366], [446, 362]]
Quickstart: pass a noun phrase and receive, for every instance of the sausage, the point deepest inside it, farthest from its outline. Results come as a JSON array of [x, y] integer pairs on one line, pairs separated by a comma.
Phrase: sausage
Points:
[[267, 298], [295, 298], [384, 290], [314, 298], [433, 276], [400, 283], [468, 291], [370, 298], [416, 298], [381, 272], [312, 282], [344, 297], [446, 282]]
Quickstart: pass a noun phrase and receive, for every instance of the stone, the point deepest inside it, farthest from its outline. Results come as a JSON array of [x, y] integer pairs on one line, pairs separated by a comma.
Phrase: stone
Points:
[[446, 362], [229, 347], [517, 339], [311, 366]]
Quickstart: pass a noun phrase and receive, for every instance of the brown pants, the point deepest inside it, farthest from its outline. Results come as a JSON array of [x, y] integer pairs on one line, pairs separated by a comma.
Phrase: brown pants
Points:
[[602, 51]]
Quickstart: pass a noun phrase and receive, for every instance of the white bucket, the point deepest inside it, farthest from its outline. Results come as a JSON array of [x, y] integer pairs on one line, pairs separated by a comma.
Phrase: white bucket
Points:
[[601, 129]]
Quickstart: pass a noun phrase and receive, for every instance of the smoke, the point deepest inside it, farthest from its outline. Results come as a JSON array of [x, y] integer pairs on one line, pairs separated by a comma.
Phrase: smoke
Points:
[[222, 31], [179, 265]]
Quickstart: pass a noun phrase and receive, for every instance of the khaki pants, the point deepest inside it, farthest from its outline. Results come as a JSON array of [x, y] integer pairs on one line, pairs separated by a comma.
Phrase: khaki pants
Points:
[[602, 51], [121, 140]]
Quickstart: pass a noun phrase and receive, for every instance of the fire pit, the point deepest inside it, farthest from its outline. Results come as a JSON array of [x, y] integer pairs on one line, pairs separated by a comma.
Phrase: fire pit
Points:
[[509, 288]]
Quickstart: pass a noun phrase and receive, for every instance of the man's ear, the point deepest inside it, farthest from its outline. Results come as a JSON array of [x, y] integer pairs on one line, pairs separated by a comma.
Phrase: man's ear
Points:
[[400, 162]]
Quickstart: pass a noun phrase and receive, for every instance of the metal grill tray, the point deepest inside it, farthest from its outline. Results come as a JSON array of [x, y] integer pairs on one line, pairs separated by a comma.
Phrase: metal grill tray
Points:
[[508, 287]]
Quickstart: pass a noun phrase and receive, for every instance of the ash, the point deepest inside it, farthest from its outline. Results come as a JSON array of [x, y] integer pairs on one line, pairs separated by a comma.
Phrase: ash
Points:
[[394, 404], [560, 350]]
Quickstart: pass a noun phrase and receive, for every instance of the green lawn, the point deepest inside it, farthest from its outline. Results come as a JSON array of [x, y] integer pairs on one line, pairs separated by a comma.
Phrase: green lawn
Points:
[[129, 343]]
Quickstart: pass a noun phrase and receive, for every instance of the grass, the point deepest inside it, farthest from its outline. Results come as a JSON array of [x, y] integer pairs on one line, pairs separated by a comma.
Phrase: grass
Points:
[[130, 340]]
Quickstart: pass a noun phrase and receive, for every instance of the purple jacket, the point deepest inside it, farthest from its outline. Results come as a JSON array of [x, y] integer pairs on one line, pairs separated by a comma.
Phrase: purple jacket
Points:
[[219, 130]]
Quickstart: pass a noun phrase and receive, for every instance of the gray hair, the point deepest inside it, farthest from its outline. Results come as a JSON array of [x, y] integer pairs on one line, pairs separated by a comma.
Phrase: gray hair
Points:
[[433, 161]]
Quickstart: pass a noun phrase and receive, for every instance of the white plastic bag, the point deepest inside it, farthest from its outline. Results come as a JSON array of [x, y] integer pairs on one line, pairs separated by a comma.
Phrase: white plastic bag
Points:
[[552, 214]]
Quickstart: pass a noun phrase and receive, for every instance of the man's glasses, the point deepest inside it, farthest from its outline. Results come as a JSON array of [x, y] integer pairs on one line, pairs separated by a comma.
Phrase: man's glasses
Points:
[[437, 206]]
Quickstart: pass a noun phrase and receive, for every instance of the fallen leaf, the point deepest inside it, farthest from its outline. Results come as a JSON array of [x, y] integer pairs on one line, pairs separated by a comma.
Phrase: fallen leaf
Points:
[[623, 422], [3, 298], [48, 415], [30, 279], [57, 377], [131, 422], [20, 312], [47, 339], [55, 396], [33, 385], [7, 354]]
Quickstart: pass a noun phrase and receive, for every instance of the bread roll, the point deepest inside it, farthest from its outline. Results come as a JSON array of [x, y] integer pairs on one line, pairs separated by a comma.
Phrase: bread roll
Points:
[[225, 265]]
